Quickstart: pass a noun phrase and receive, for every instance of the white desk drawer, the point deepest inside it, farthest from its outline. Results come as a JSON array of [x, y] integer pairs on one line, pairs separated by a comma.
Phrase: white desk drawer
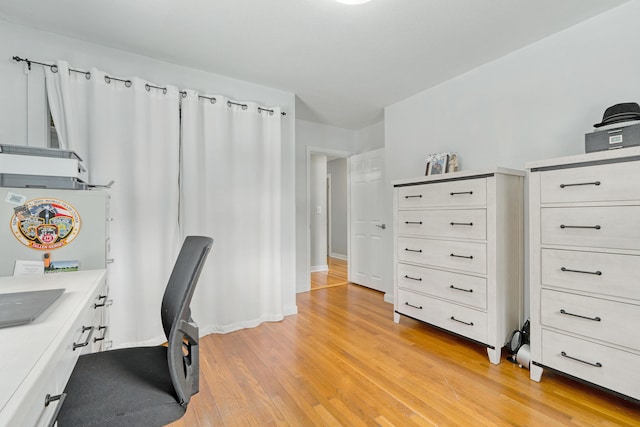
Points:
[[448, 223], [460, 288], [614, 227], [461, 320], [605, 320], [463, 256], [471, 192], [598, 364], [613, 182], [595, 272]]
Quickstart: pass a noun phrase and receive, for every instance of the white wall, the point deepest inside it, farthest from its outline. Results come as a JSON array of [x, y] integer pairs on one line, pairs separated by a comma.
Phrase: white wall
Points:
[[338, 171], [318, 205], [319, 139], [370, 138], [47, 47], [535, 103]]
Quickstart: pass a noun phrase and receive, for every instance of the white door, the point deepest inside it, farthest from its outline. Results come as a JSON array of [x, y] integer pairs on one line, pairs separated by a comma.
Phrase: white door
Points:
[[368, 233]]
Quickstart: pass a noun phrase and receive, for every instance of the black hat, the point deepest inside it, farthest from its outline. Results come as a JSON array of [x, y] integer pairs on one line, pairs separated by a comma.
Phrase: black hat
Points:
[[620, 113]]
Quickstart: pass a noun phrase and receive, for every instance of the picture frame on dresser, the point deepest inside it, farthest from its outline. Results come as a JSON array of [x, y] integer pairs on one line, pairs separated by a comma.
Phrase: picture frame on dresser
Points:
[[437, 164]]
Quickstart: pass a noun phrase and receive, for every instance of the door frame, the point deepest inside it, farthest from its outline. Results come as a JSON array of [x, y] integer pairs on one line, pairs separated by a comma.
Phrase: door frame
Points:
[[322, 152]]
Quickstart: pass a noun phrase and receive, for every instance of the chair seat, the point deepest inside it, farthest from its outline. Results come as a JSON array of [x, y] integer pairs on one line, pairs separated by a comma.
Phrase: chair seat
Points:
[[126, 387]]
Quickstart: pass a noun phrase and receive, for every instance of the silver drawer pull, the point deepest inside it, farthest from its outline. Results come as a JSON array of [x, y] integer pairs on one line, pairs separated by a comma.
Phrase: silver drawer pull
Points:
[[462, 256], [419, 279], [86, 343], [48, 399], [461, 289], [597, 273], [413, 250], [461, 321], [596, 183], [597, 364], [101, 297], [409, 197], [595, 227], [414, 306], [104, 334], [595, 319], [470, 224], [413, 222]]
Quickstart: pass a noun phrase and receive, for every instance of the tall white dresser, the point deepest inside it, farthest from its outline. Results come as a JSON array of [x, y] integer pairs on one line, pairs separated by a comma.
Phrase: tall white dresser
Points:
[[585, 268], [458, 253]]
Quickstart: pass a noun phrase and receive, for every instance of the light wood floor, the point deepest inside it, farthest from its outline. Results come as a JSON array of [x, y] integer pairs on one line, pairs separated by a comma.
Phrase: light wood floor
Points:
[[342, 361], [335, 276]]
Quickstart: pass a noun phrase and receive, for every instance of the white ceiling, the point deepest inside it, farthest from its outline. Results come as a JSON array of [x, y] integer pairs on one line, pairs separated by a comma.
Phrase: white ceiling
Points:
[[344, 63]]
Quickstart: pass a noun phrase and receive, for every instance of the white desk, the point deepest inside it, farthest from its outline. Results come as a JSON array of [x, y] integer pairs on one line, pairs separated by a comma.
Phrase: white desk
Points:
[[37, 359]]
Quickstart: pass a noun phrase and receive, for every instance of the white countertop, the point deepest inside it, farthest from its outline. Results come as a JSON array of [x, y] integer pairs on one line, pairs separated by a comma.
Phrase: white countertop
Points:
[[23, 353]]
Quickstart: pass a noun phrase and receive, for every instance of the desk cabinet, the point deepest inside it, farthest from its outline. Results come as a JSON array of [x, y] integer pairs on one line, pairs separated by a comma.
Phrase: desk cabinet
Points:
[[458, 253], [42, 354], [585, 259]]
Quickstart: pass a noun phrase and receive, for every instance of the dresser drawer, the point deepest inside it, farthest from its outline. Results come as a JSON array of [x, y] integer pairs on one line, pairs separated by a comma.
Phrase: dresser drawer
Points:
[[605, 366], [460, 288], [448, 223], [615, 227], [595, 272], [613, 182], [33, 410], [461, 320], [470, 192], [604, 320], [463, 256]]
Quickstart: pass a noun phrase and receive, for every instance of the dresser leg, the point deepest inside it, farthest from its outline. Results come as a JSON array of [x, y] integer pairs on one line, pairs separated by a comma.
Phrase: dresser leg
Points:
[[494, 355], [396, 317], [536, 372]]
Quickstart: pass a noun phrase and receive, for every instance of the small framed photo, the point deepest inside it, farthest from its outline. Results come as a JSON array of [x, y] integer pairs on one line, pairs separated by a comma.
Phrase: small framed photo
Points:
[[437, 164]]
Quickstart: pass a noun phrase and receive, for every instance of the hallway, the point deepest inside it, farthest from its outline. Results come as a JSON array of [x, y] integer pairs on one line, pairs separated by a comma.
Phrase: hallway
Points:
[[335, 276]]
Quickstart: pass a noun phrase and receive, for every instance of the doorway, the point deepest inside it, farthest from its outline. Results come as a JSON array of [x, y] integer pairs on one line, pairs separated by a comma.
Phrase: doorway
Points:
[[327, 224]]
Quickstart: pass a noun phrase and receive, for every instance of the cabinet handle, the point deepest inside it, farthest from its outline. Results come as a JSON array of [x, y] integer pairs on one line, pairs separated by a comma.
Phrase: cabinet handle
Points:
[[101, 297], [597, 273], [462, 256], [414, 306], [110, 260], [595, 319], [461, 321], [462, 223], [104, 334], [461, 192], [413, 222], [409, 197], [597, 364], [48, 399], [461, 289], [86, 343], [596, 183], [419, 279], [596, 227], [413, 250]]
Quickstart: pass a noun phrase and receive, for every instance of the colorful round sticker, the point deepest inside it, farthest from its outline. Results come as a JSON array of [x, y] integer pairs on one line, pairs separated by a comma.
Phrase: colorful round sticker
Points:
[[45, 223]]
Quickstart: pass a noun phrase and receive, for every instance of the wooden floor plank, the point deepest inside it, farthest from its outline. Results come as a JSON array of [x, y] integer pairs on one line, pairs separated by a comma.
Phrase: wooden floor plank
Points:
[[343, 361]]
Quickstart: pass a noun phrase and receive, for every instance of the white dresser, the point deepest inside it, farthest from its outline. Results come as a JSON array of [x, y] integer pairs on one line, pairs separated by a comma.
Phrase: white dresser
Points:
[[458, 253], [585, 268]]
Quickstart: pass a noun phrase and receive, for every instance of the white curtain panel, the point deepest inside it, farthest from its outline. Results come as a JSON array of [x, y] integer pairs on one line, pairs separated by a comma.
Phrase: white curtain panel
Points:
[[231, 191], [129, 135]]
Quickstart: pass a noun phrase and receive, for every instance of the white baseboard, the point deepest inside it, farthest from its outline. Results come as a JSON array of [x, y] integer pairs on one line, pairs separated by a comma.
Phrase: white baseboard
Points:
[[316, 268], [388, 297], [338, 256]]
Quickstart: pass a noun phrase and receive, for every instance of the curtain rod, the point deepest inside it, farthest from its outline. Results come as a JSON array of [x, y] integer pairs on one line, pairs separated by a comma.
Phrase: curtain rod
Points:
[[128, 83]]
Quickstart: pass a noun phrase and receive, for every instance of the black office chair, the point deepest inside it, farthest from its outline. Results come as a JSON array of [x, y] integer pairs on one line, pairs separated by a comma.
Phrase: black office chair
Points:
[[144, 386]]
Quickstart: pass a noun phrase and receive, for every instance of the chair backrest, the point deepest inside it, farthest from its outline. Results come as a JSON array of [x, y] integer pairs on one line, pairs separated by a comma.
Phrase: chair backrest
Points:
[[179, 328]]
